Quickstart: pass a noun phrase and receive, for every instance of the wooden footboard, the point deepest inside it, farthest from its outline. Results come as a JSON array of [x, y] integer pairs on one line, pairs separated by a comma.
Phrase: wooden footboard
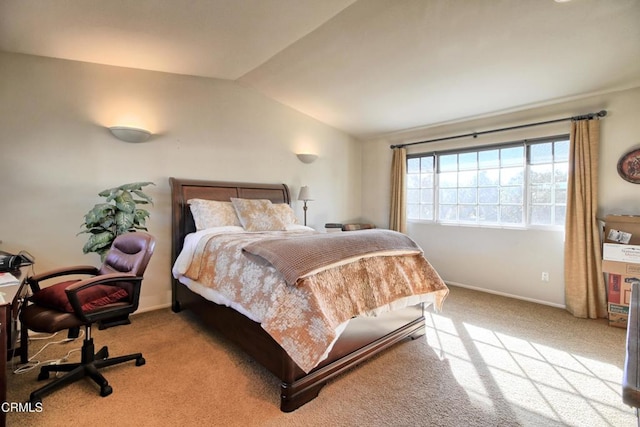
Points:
[[363, 338]]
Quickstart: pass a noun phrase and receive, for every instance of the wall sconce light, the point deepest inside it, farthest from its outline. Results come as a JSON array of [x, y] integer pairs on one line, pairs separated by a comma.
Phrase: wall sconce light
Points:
[[305, 196], [307, 158], [129, 134]]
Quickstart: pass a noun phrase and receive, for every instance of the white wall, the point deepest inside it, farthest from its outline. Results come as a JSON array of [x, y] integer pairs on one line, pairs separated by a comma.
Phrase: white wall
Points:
[[506, 261], [56, 154]]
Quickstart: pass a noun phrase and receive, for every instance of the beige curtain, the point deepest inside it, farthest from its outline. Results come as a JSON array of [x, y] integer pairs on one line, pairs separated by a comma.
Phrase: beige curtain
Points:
[[585, 293], [398, 213]]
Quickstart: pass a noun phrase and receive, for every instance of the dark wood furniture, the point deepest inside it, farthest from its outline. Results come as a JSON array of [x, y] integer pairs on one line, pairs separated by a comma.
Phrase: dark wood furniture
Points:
[[14, 302], [631, 377], [5, 308], [363, 338], [9, 334]]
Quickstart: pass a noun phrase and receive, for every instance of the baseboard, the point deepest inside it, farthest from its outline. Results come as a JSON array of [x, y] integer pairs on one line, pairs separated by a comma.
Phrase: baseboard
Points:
[[504, 294]]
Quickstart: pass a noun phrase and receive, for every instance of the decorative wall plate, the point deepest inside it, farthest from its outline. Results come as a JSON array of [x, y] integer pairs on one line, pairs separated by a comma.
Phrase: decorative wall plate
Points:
[[629, 166]]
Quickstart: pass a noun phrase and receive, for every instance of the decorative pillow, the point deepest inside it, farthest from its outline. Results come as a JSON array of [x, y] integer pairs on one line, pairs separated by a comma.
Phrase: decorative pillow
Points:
[[257, 215], [212, 213], [285, 213], [55, 297]]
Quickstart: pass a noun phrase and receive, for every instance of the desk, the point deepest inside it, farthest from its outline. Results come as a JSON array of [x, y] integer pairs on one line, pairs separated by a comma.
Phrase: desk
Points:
[[13, 295], [9, 334], [5, 311]]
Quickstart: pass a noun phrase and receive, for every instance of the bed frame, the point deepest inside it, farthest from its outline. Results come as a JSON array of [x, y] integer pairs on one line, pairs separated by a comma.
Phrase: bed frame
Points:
[[362, 339]]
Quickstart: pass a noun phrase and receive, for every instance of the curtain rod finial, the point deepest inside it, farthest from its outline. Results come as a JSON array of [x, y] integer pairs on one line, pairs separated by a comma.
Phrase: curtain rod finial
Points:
[[602, 113]]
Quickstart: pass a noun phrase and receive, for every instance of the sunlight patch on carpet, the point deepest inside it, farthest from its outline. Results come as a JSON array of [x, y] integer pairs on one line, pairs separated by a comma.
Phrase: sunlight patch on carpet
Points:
[[534, 377]]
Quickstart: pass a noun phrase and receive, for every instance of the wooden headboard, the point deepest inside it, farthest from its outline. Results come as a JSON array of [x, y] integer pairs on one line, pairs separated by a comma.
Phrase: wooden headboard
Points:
[[184, 189]]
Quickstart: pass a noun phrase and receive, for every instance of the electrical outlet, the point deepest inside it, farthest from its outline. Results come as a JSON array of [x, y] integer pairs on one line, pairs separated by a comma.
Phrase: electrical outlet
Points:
[[545, 276]]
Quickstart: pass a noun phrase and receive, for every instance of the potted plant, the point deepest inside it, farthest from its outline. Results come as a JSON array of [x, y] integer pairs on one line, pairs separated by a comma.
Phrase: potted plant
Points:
[[119, 214]]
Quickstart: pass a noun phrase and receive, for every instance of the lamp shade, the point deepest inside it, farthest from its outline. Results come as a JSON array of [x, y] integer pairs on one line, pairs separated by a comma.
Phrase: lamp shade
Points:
[[305, 193], [130, 134]]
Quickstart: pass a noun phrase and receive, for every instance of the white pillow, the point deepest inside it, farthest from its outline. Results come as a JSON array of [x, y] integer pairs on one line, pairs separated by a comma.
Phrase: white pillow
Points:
[[298, 227], [212, 213]]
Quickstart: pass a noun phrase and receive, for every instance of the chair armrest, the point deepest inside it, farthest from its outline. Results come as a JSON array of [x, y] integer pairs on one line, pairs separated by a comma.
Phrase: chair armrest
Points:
[[103, 279], [34, 281]]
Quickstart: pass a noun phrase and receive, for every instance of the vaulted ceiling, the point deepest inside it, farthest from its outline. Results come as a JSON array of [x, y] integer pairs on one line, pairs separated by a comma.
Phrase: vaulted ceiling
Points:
[[367, 67]]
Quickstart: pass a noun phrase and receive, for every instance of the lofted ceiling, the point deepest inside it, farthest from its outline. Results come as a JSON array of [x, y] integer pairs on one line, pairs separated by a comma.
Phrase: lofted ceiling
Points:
[[367, 67]]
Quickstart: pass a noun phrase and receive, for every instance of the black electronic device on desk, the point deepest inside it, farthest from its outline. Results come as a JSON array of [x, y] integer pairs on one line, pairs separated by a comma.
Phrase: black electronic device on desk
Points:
[[10, 262]]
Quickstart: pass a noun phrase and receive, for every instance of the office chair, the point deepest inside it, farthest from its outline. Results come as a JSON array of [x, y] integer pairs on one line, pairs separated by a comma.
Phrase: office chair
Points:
[[107, 297]]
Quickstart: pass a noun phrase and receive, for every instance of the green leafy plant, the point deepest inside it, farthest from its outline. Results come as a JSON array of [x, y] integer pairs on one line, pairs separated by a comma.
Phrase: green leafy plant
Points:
[[119, 214]]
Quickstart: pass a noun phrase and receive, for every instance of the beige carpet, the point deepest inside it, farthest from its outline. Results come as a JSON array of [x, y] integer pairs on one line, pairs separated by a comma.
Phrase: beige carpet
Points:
[[485, 361]]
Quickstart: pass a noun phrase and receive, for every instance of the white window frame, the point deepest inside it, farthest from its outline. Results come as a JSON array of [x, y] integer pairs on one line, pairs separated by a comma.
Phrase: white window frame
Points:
[[558, 163]]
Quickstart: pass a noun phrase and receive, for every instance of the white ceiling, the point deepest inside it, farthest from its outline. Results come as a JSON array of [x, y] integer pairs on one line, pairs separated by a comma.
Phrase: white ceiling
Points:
[[367, 67]]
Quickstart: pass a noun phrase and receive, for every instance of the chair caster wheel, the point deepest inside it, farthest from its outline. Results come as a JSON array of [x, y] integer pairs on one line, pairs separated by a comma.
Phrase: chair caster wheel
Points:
[[34, 400], [43, 375], [106, 390], [140, 361]]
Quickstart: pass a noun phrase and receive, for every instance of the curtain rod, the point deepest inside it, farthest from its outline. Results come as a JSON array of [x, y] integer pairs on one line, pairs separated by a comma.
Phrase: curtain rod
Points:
[[589, 116]]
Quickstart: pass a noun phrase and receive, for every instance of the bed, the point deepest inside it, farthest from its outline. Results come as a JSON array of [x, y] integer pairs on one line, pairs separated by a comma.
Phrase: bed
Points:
[[358, 339]]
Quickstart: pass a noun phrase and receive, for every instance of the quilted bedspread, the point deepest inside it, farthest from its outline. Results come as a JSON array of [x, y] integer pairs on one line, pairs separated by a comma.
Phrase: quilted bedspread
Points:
[[305, 318]]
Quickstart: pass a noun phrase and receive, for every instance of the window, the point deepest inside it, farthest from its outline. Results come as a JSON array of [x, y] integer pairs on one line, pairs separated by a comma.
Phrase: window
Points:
[[420, 187], [515, 184]]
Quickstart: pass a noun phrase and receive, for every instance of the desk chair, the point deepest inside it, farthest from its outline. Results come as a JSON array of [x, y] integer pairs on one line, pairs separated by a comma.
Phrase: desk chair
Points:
[[107, 297]]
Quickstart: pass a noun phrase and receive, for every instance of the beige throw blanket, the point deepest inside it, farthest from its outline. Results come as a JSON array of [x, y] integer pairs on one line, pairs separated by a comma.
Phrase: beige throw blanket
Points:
[[301, 256]]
